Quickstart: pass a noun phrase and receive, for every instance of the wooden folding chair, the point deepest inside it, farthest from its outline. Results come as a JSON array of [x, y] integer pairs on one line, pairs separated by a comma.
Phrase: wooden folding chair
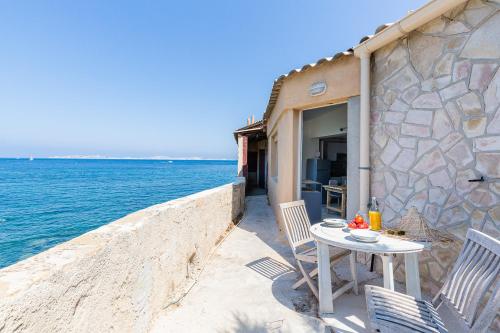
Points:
[[297, 226], [464, 293]]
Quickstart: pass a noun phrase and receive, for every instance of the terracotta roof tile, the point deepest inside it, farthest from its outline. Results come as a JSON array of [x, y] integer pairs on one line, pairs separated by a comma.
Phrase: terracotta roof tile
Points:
[[279, 81]]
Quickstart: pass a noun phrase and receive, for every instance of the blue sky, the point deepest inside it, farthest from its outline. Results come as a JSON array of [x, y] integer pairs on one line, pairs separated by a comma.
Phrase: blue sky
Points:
[[148, 78]]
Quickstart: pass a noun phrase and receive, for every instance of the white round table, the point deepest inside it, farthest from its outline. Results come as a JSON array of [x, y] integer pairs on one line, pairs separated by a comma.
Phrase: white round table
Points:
[[387, 246]]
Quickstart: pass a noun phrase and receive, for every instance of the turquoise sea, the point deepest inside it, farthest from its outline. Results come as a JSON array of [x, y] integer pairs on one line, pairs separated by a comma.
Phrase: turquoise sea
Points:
[[44, 202]]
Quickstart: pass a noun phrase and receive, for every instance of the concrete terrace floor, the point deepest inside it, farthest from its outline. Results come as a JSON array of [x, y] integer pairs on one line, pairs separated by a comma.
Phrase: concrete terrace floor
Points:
[[247, 287]]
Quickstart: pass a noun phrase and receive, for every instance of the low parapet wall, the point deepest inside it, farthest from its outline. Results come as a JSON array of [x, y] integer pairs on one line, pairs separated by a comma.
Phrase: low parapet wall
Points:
[[117, 277]]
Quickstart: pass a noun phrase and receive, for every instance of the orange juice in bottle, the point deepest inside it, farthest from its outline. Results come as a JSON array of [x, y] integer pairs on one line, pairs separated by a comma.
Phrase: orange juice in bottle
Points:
[[375, 216]]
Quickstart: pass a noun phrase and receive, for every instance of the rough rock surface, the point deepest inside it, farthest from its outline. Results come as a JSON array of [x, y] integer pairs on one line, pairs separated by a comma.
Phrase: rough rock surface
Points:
[[449, 77]]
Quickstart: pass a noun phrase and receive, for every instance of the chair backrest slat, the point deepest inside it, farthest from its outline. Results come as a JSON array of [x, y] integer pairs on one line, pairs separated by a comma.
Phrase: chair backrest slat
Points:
[[470, 250], [297, 223], [474, 276], [477, 294], [473, 266]]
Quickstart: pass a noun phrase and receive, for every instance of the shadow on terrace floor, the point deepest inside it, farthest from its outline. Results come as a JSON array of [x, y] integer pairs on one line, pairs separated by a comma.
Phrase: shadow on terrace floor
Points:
[[350, 310], [246, 286]]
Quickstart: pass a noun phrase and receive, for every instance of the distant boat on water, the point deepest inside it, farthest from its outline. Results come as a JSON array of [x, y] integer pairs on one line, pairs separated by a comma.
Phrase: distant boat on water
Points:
[[31, 158]]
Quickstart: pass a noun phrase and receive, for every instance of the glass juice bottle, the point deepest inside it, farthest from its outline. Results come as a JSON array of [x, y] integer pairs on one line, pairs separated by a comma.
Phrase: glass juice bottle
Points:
[[375, 216]]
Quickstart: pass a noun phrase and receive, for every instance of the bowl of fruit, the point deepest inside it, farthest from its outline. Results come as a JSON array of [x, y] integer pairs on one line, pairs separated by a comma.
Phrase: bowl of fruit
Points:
[[358, 222]]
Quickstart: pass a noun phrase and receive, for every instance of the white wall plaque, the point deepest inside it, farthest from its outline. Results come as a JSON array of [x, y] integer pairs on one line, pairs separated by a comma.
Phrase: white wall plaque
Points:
[[317, 88]]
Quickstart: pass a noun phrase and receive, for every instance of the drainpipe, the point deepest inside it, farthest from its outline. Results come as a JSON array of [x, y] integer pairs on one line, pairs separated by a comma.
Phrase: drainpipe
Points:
[[364, 132], [412, 21]]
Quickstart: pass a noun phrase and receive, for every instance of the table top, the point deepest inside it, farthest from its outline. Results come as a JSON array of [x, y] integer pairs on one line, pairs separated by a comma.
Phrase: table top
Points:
[[335, 187], [340, 237], [308, 181]]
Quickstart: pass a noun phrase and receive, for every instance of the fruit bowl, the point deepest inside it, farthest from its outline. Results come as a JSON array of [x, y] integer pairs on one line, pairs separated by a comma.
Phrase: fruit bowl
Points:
[[358, 222]]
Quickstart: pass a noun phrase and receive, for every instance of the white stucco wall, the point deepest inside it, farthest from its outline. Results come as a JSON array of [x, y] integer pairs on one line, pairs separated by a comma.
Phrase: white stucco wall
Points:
[[116, 278], [241, 154]]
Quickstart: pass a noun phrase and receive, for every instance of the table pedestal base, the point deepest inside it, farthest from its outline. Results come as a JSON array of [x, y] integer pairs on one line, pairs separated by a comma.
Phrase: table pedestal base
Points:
[[324, 279], [387, 267], [412, 275], [326, 296], [386, 247]]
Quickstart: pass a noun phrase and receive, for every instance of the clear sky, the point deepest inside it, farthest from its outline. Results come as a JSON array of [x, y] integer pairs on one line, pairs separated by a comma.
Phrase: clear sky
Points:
[[148, 78]]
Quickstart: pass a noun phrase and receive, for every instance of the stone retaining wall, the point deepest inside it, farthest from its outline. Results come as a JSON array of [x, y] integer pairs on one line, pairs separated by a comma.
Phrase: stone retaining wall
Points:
[[435, 124], [116, 278]]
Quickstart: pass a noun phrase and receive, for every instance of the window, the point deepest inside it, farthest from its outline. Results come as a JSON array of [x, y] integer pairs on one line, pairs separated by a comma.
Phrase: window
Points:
[[274, 156]]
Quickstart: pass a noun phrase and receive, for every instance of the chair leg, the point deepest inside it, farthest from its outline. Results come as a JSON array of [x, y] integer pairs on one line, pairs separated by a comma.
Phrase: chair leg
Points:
[[299, 283], [312, 274], [309, 281], [354, 273], [335, 278]]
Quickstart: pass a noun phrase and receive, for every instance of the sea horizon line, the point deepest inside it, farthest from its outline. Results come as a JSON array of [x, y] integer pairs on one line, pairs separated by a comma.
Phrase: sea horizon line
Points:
[[99, 157]]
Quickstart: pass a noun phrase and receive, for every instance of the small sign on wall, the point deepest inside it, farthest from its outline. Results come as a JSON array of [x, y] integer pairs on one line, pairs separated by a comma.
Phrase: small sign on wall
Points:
[[317, 88]]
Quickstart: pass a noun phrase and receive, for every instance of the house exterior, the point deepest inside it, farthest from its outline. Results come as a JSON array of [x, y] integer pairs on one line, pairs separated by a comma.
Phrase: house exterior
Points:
[[252, 155], [291, 97], [423, 123]]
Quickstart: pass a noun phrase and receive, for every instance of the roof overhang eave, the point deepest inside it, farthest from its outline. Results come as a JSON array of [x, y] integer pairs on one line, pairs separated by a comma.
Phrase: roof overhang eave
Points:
[[249, 131], [279, 81], [404, 26]]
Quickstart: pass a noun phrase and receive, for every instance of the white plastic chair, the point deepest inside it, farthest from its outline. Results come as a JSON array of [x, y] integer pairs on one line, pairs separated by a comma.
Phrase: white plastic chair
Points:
[[464, 293], [297, 226]]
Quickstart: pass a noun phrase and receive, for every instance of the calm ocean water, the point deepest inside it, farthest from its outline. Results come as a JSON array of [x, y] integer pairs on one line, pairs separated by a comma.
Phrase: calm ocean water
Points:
[[47, 201]]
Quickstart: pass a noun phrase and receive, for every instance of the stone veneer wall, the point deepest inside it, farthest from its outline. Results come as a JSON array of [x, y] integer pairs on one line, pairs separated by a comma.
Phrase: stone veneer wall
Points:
[[116, 278], [435, 124]]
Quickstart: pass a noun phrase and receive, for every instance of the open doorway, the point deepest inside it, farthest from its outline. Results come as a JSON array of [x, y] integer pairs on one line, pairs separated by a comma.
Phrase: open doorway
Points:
[[257, 166], [324, 161]]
